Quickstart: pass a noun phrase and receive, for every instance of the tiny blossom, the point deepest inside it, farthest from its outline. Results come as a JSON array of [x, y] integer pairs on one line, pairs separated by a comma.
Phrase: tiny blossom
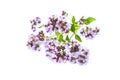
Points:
[[63, 13], [89, 33], [81, 21]]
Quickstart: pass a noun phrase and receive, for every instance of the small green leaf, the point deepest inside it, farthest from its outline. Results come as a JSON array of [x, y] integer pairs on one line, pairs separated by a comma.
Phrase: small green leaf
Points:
[[67, 38], [89, 20], [72, 28], [57, 34], [73, 19], [76, 27], [77, 37], [61, 38]]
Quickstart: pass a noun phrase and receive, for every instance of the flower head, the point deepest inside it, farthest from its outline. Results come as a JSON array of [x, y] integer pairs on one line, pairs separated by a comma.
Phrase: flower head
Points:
[[34, 23], [89, 33]]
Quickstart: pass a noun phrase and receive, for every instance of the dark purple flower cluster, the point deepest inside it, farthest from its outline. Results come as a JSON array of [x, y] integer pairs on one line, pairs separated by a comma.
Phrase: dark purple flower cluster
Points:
[[89, 33], [41, 36], [56, 52], [81, 21], [77, 53], [57, 23], [34, 40], [34, 23], [64, 13], [71, 52]]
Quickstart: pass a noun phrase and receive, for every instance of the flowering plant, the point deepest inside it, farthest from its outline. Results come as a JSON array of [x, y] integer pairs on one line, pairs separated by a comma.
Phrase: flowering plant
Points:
[[62, 39]]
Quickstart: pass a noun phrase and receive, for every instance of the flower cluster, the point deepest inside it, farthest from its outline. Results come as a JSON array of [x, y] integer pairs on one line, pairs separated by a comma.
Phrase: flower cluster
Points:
[[34, 23], [89, 33], [34, 40], [81, 21], [41, 36], [71, 52], [61, 38], [78, 54], [57, 23], [56, 52]]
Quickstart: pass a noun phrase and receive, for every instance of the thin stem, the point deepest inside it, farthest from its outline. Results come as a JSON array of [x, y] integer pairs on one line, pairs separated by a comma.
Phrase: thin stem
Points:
[[72, 36]]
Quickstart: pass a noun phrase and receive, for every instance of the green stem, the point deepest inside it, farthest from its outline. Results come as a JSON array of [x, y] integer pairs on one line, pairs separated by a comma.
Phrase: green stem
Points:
[[72, 36]]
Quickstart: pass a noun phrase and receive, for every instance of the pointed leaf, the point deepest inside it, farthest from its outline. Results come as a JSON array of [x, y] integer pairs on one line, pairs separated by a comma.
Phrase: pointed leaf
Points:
[[77, 37], [89, 20], [73, 19], [72, 28], [61, 38], [57, 34], [67, 38], [77, 27]]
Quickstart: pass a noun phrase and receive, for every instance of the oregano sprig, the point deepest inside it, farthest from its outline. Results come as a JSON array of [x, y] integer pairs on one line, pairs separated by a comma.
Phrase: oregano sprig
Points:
[[64, 40]]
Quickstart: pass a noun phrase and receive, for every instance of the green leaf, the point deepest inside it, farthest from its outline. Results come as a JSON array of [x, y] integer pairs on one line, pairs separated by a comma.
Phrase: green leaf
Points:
[[73, 19], [57, 34], [89, 20], [77, 37], [61, 38], [67, 38], [76, 27], [73, 28]]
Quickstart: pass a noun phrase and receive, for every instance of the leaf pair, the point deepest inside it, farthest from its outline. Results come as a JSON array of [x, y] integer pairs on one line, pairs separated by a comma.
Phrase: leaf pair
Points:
[[77, 37], [60, 37], [74, 28]]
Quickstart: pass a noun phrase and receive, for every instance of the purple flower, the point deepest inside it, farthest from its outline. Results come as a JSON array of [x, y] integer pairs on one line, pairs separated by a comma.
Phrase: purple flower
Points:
[[41, 36], [89, 33], [34, 40], [77, 53], [56, 51], [57, 24], [81, 21], [62, 52], [34, 23]]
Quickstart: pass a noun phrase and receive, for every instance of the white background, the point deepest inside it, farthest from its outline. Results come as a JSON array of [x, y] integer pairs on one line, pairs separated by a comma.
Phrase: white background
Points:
[[17, 62]]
